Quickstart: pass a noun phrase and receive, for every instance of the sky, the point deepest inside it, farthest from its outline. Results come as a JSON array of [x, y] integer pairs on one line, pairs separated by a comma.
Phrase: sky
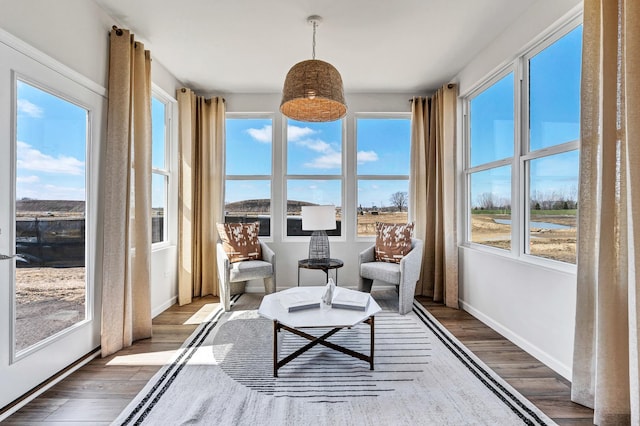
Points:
[[51, 143], [554, 104], [50, 146], [314, 159]]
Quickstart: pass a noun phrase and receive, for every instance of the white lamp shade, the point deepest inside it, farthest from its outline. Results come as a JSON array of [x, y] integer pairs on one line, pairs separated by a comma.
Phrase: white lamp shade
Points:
[[316, 218]]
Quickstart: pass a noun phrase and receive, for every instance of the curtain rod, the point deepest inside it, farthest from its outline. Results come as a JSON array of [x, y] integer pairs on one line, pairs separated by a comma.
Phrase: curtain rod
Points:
[[449, 86]]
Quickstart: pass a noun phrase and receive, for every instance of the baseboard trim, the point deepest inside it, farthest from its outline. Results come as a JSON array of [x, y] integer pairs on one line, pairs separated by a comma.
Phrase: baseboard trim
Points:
[[46, 385], [163, 307], [524, 344]]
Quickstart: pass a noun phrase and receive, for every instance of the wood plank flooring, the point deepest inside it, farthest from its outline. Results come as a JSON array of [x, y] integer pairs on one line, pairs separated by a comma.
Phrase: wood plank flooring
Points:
[[97, 392]]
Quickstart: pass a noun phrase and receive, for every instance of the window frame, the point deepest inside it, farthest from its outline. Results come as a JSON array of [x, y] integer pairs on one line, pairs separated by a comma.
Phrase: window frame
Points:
[[169, 165], [286, 177], [364, 177], [269, 178], [520, 180]]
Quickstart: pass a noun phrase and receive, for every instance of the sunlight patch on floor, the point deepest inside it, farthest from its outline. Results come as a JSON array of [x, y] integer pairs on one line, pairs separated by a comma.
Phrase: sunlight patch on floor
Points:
[[146, 358], [202, 314]]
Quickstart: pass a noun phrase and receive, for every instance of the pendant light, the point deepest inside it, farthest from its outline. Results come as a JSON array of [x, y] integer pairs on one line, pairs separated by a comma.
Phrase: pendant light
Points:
[[313, 89]]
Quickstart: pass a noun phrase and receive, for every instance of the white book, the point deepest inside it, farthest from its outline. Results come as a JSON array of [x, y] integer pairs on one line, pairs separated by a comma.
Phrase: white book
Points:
[[297, 301], [344, 298]]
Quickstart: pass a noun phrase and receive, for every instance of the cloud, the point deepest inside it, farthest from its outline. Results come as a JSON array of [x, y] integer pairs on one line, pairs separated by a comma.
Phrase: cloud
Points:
[[366, 156], [316, 145], [261, 135], [32, 159], [295, 133], [332, 160], [27, 108], [28, 179]]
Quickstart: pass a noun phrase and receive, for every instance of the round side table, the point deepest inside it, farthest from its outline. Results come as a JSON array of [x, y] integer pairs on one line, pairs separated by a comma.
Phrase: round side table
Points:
[[321, 264]]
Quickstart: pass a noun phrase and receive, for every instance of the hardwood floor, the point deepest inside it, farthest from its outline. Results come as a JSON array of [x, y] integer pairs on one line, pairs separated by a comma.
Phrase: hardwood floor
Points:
[[98, 391]]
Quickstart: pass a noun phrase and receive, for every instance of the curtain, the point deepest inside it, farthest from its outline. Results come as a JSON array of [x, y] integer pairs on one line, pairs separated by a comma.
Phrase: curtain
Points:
[[201, 192], [605, 361], [432, 192], [126, 299]]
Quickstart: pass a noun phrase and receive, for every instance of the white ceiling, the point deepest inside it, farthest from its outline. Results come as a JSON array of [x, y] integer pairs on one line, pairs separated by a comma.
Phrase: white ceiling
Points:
[[379, 46]]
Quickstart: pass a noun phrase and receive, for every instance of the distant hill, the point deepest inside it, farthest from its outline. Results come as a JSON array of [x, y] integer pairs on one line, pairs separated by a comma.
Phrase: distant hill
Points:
[[262, 206], [50, 206]]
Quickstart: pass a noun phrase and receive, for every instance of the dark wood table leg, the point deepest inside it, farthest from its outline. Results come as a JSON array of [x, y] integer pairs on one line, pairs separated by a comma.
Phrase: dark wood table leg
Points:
[[372, 328], [276, 328]]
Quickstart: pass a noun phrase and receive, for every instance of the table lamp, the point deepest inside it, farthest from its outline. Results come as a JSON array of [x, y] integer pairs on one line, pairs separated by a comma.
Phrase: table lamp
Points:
[[318, 219]]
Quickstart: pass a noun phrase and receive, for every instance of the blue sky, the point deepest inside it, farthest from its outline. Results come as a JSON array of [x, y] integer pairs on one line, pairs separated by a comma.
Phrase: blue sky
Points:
[[51, 146], [554, 108], [51, 142], [315, 156]]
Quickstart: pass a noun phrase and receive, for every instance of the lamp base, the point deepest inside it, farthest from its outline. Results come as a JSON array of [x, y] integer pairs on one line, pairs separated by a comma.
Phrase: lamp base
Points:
[[319, 247]]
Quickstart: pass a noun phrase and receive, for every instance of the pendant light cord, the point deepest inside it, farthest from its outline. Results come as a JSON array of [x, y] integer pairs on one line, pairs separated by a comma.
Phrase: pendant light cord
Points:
[[313, 56]]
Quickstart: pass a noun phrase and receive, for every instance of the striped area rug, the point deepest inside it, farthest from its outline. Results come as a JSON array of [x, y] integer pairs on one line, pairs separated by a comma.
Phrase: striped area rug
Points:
[[323, 375], [422, 376]]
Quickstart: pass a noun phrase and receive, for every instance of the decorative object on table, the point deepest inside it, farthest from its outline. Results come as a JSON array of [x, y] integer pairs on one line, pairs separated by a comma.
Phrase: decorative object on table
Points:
[[392, 240], [318, 219], [298, 301], [329, 291], [241, 256], [344, 298], [313, 89]]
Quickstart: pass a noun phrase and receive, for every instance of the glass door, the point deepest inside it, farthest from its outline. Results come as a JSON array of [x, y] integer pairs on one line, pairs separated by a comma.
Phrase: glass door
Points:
[[49, 303]]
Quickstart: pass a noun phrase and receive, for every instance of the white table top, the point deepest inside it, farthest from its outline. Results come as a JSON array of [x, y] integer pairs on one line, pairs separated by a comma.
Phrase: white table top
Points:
[[324, 316]]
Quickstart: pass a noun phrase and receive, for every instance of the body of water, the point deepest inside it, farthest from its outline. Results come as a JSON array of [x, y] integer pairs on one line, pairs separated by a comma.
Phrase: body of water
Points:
[[543, 225]]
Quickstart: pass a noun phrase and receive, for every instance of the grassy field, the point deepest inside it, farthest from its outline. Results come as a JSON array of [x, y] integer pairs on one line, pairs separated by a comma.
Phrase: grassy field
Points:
[[367, 221], [556, 244]]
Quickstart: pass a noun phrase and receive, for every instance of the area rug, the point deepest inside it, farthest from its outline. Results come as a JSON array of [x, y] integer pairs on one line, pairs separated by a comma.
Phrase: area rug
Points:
[[423, 376]]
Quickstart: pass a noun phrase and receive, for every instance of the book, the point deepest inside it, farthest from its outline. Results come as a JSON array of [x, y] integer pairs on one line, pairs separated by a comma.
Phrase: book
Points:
[[298, 302], [345, 298]]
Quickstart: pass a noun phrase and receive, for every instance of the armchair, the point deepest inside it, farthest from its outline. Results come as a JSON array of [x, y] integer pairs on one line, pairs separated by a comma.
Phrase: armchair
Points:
[[240, 272], [404, 274]]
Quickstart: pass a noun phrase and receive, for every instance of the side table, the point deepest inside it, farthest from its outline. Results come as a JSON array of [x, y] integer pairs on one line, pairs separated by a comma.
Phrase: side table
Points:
[[323, 265]]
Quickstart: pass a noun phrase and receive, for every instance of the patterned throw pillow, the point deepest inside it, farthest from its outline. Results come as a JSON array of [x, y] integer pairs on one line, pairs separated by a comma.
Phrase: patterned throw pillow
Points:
[[240, 241], [393, 241]]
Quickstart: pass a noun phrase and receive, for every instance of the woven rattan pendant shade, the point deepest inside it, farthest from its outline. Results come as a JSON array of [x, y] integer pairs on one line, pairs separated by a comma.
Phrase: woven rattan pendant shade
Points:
[[313, 89], [313, 92]]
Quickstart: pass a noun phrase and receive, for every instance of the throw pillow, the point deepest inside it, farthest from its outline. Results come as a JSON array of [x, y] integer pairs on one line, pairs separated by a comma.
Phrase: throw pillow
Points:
[[240, 241], [393, 241]]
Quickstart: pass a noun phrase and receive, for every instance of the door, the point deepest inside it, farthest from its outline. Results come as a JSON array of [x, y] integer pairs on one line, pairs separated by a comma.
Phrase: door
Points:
[[50, 132]]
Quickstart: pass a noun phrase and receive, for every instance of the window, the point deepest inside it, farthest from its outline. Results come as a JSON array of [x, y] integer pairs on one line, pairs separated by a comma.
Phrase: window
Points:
[[382, 161], [491, 144], [534, 158], [160, 173], [314, 171], [248, 171], [552, 159], [51, 194]]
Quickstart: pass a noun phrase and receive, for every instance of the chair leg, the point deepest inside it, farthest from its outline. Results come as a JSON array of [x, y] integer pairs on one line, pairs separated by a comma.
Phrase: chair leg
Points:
[[365, 285], [225, 297], [405, 298], [269, 285]]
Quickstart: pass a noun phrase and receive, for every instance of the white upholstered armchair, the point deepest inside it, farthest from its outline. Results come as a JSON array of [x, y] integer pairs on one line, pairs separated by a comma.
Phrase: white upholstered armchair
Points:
[[241, 272], [404, 274]]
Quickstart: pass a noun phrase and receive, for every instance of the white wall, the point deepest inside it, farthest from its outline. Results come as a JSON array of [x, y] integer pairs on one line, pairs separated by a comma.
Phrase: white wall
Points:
[[75, 33], [290, 250], [532, 305]]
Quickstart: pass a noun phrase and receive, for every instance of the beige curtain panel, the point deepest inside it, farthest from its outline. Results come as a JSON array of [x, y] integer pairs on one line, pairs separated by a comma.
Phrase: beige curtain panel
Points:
[[605, 362], [201, 193], [126, 299], [432, 192]]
